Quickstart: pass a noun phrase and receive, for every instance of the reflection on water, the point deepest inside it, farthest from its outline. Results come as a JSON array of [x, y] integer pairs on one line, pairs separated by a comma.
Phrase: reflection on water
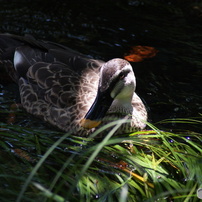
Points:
[[169, 83]]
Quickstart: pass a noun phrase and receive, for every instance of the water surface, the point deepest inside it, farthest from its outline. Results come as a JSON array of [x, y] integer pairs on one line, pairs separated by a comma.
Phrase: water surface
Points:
[[169, 83]]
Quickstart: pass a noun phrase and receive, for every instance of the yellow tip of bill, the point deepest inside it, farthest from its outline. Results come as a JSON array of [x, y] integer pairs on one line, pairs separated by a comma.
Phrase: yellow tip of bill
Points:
[[87, 123]]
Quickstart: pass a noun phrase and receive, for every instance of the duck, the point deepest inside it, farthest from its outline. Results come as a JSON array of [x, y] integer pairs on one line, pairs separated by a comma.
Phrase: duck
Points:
[[72, 91]]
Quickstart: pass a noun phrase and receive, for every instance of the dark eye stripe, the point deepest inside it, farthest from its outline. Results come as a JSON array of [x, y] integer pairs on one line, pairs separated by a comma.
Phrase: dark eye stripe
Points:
[[121, 76]]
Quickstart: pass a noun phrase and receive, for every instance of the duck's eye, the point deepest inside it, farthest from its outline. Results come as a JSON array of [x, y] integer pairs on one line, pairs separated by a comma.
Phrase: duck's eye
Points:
[[122, 75]]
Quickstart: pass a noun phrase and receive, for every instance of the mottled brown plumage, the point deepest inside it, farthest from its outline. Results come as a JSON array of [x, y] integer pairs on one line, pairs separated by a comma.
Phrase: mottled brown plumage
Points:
[[70, 90]]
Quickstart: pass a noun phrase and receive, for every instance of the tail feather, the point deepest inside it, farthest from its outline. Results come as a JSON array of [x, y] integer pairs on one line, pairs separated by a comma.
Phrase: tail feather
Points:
[[7, 50]]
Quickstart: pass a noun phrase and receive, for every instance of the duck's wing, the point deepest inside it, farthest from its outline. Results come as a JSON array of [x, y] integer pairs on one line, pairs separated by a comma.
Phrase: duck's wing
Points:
[[54, 83], [58, 94]]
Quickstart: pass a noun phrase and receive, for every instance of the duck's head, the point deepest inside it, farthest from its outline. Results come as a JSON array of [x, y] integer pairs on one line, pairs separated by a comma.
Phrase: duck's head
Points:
[[117, 82]]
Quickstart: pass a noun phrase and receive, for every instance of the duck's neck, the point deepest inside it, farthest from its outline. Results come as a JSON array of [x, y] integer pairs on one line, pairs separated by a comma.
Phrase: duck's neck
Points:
[[121, 106]]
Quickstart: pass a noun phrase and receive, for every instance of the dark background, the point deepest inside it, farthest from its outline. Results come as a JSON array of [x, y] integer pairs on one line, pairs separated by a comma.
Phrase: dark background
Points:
[[169, 83]]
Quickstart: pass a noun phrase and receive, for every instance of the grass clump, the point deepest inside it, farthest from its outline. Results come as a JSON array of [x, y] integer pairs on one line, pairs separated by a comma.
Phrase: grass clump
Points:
[[144, 166]]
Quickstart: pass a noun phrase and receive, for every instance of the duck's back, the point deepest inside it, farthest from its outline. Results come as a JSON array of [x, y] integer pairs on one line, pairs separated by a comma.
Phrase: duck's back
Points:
[[55, 82], [22, 52]]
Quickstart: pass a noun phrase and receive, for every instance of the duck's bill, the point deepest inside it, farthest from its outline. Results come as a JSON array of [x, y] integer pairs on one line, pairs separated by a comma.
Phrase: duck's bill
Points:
[[97, 111]]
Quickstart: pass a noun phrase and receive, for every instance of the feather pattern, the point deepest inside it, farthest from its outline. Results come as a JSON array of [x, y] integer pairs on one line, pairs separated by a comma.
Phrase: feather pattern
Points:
[[61, 85]]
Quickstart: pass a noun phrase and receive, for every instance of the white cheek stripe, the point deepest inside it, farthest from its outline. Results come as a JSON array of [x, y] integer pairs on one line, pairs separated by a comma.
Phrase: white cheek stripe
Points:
[[118, 87]]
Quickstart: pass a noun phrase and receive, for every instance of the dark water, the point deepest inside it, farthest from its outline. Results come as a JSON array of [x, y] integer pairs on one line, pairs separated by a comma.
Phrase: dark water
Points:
[[169, 83]]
